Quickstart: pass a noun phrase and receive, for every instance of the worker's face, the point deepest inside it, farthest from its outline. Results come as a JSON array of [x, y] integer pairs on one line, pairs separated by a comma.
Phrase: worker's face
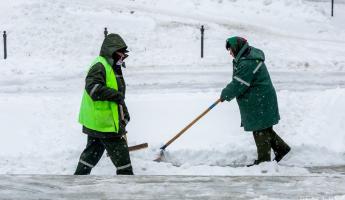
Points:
[[120, 55], [231, 53], [119, 58], [229, 50]]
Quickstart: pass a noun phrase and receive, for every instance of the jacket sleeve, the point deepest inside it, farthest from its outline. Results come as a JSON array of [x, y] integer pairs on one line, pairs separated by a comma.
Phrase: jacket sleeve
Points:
[[241, 81], [95, 85]]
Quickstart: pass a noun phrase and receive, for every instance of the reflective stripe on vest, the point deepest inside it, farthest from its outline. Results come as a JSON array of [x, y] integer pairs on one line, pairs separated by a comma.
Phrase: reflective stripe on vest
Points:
[[102, 116]]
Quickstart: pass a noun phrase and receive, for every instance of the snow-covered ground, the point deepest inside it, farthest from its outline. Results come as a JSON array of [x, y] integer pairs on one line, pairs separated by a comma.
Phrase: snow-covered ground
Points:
[[51, 44]]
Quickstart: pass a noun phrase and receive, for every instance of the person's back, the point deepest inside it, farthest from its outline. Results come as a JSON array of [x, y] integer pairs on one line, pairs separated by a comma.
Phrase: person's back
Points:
[[261, 93]]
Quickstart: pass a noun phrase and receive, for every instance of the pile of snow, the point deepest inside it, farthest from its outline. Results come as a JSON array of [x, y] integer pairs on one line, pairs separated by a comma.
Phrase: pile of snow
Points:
[[41, 134]]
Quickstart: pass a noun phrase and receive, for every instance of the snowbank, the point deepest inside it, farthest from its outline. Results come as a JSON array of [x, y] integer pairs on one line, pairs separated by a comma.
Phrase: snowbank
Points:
[[41, 134]]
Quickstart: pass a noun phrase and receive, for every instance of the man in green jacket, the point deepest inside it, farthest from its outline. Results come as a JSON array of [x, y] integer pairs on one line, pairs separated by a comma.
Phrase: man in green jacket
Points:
[[103, 113], [252, 87]]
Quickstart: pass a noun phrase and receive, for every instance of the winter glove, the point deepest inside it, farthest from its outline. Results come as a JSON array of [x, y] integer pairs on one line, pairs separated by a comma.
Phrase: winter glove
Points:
[[224, 96], [119, 98]]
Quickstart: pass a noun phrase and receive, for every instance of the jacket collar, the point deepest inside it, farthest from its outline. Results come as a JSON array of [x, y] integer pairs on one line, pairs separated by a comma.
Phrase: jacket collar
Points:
[[110, 60], [239, 55]]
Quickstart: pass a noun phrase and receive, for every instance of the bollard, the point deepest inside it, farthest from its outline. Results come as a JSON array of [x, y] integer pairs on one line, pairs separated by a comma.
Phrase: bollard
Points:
[[202, 40], [332, 7], [105, 32], [5, 45]]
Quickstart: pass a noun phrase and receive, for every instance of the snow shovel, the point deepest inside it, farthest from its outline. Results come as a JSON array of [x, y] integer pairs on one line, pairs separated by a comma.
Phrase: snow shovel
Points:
[[161, 154]]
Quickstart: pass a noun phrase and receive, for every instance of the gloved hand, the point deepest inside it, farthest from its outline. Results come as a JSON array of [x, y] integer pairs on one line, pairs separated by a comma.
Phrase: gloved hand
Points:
[[119, 98], [224, 96]]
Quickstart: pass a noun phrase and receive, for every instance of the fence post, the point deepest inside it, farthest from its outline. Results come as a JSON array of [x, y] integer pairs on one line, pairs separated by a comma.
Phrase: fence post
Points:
[[202, 40], [332, 7], [5, 45], [105, 32]]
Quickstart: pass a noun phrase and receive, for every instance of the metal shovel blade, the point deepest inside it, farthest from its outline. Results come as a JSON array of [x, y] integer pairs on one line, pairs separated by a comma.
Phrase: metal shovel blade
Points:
[[161, 156]]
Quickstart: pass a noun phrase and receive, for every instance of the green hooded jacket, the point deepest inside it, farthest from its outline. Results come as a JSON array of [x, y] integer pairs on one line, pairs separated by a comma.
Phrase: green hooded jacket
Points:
[[252, 87]]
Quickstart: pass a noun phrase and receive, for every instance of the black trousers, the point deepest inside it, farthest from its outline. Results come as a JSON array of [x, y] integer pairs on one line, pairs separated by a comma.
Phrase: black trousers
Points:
[[266, 140], [117, 150]]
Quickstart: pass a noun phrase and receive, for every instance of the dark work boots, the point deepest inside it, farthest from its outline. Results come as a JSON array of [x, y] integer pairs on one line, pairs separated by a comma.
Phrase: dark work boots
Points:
[[279, 147], [265, 140]]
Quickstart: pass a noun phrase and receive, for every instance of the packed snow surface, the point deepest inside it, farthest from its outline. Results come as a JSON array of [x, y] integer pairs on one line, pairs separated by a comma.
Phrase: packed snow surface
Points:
[[31, 187], [51, 44]]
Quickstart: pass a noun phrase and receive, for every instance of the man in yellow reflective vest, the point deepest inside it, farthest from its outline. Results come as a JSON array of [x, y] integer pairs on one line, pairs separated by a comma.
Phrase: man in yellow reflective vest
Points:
[[103, 112]]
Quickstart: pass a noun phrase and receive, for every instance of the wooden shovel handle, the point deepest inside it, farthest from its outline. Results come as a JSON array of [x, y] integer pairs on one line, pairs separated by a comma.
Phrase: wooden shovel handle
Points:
[[190, 124], [138, 147]]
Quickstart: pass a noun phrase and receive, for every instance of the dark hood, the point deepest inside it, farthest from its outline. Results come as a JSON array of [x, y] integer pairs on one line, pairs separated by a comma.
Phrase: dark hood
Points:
[[241, 49], [113, 42], [255, 54]]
